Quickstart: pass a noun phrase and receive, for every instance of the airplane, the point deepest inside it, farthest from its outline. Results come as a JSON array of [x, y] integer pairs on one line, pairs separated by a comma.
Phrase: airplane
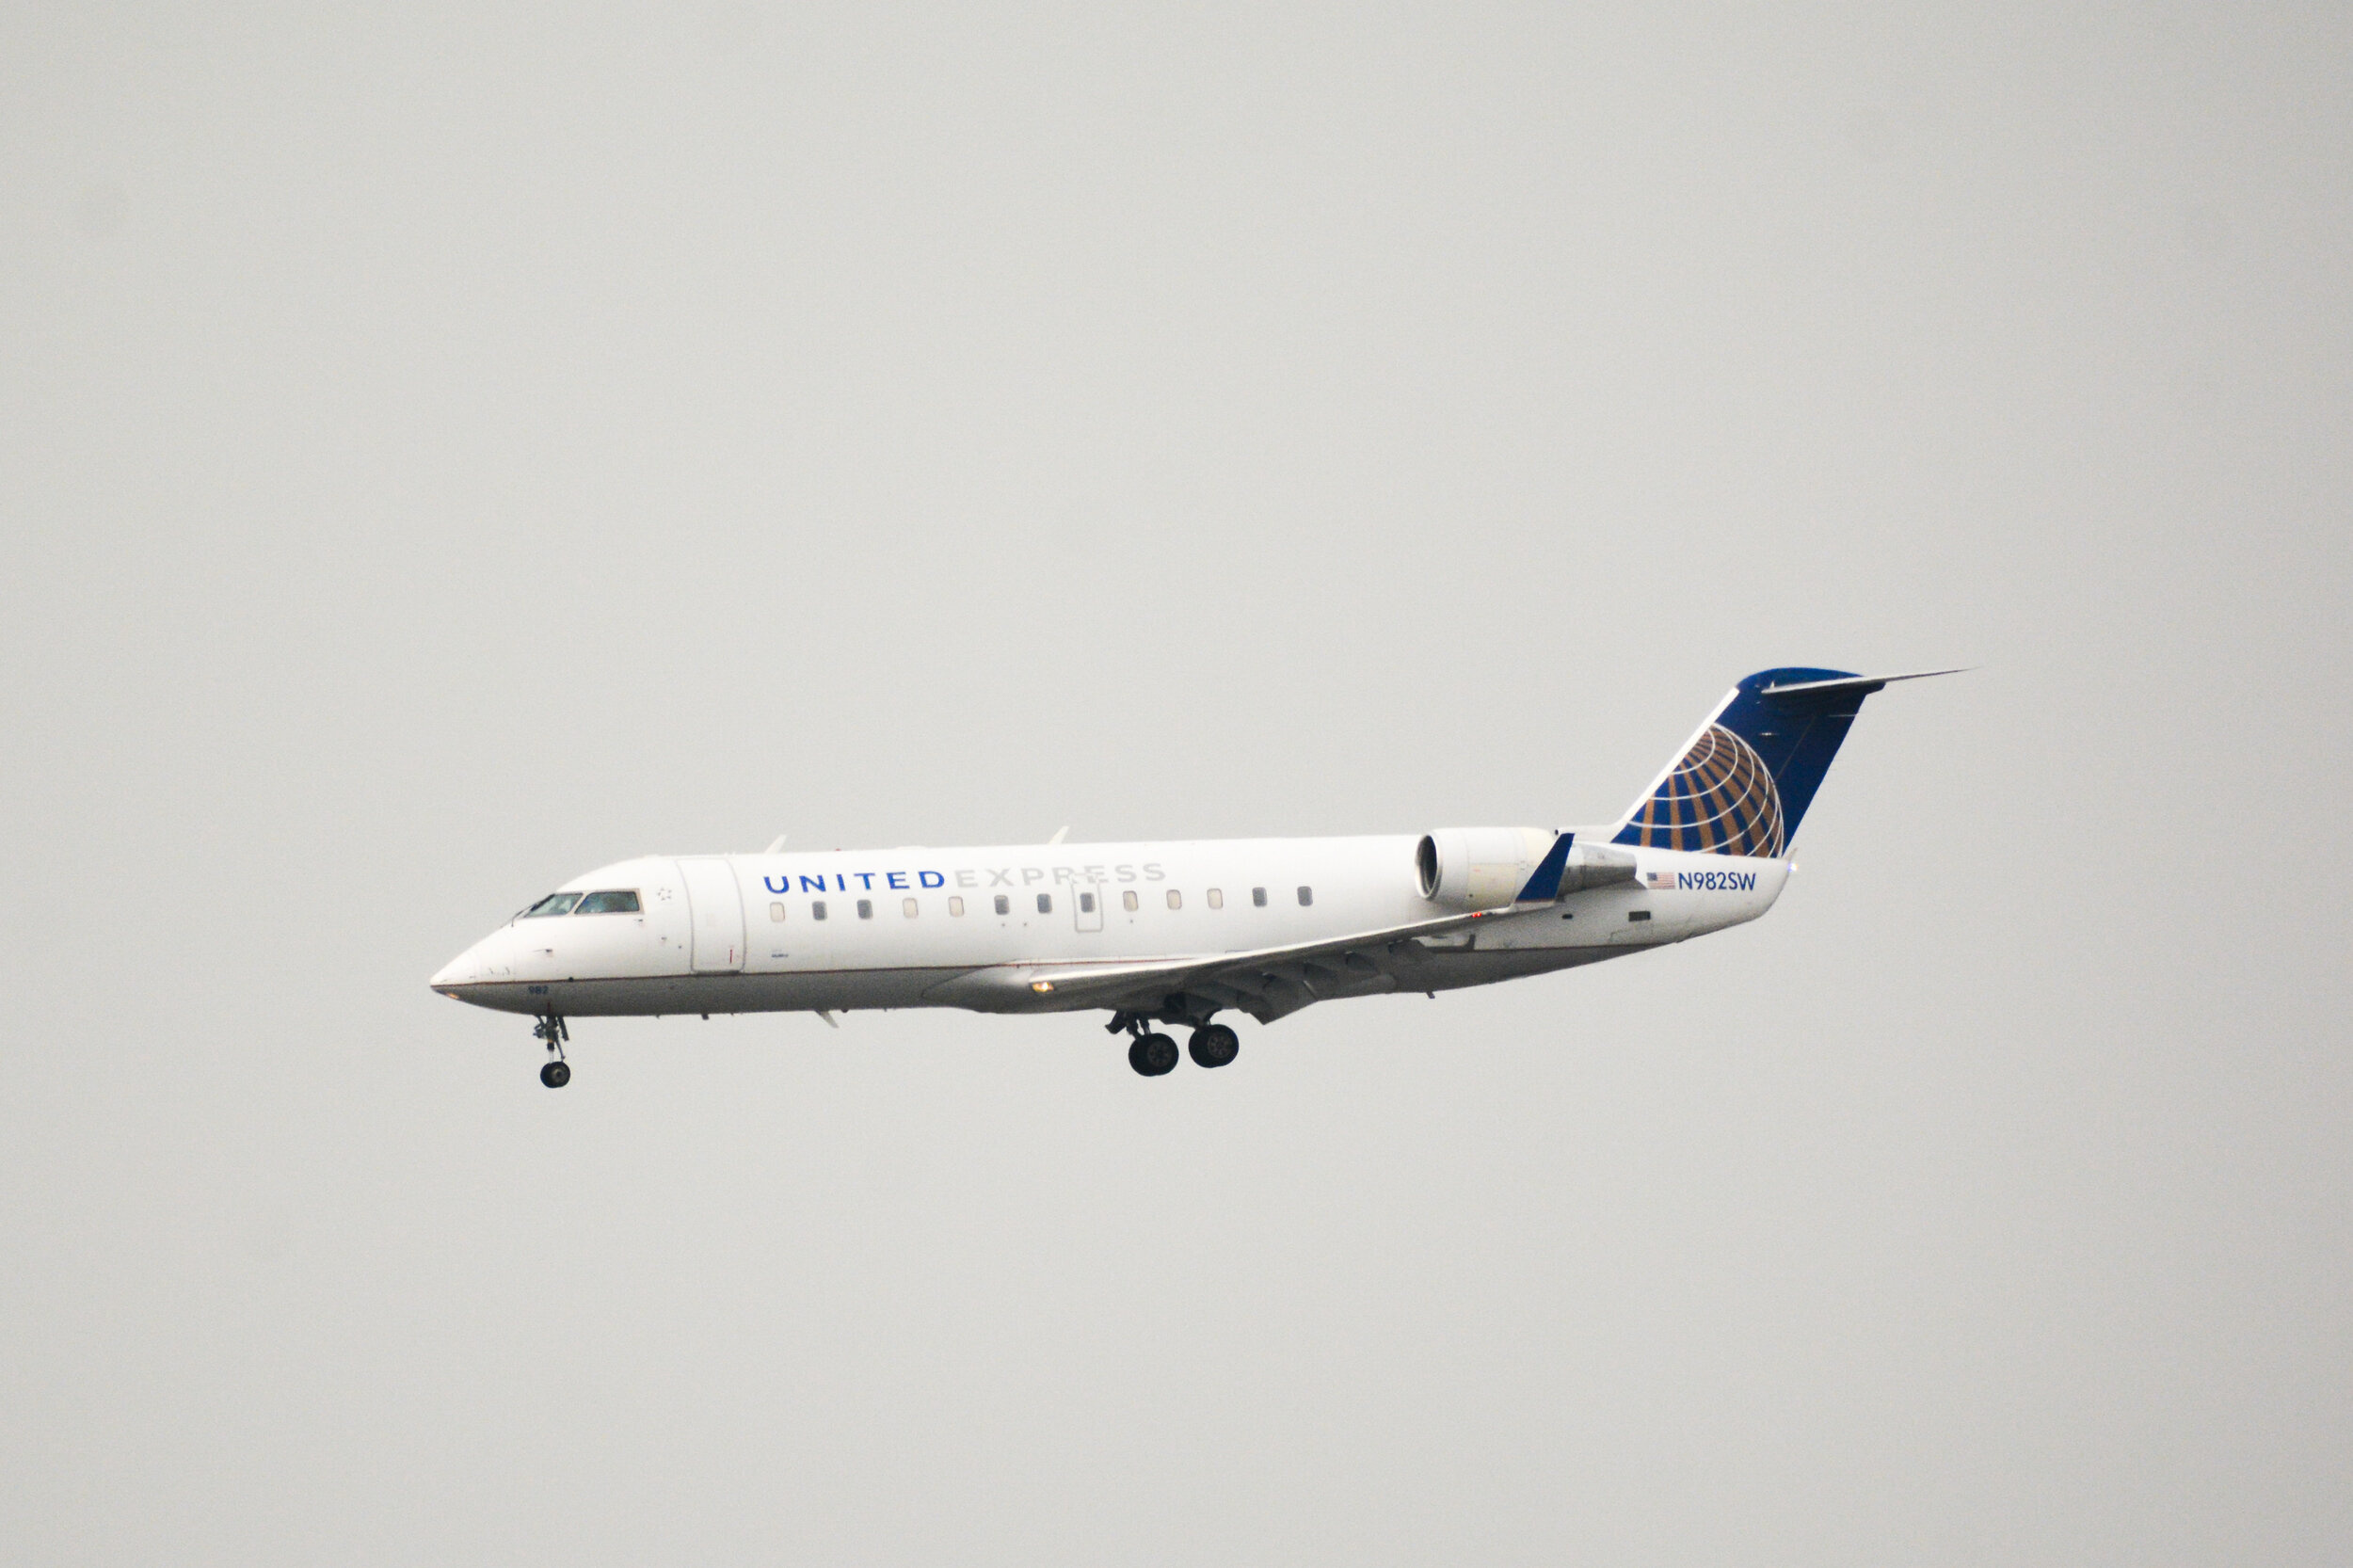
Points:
[[1172, 934]]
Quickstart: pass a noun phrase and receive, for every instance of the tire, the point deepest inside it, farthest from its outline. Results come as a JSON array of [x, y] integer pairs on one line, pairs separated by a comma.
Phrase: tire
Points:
[[1152, 1055], [1214, 1045], [556, 1074]]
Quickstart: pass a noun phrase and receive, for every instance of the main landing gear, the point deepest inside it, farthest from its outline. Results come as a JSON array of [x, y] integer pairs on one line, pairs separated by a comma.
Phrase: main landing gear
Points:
[[1153, 1054], [1213, 1046], [558, 1072]]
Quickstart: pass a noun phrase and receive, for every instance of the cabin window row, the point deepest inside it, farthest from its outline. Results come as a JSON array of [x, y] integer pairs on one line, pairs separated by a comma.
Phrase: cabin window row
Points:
[[912, 907]]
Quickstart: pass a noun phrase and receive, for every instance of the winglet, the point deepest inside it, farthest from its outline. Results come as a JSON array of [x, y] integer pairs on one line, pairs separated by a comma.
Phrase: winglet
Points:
[[1545, 886]]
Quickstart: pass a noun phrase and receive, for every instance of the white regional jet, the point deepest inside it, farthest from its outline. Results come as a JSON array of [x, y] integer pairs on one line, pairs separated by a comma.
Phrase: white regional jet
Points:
[[1177, 933]]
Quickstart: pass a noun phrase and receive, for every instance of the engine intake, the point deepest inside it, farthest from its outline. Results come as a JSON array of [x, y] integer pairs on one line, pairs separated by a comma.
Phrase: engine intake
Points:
[[1478, 868]]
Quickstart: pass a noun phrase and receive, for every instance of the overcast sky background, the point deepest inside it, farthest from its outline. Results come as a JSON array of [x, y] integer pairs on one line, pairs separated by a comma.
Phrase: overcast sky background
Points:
[[445, 450]]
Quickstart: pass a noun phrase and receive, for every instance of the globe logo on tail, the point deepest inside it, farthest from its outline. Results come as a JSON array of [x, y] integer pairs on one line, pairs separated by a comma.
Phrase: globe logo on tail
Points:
[[1720, 799]]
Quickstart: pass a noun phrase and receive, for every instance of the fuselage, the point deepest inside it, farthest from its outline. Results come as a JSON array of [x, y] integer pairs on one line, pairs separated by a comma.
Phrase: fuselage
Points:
[[918, 927], [1175, 933]]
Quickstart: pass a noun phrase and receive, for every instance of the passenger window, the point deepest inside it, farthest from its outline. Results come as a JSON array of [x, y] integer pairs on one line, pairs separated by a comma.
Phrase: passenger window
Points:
[[1045, 904], [1258, 896], [1217, 899], [1005, 904], [817, 910], [1638, 914], [866, 909], [776, 911], [908, 905], [1175, 899], [554, 904], [955, 905], [1128, 901], [1086, 903], [1307, 897], [607, 904]]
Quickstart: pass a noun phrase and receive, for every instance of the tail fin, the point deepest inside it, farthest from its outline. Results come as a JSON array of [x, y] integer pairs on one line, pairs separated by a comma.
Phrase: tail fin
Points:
[[1743, 783]]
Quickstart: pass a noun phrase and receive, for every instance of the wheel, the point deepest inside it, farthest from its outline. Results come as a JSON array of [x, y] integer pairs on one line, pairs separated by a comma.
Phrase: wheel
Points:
[[1214, 1045], [1152, 1055], [556, 1074]]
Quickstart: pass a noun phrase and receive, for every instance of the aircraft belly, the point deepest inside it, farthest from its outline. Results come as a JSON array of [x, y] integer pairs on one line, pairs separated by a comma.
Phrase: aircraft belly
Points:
[[800, 991]]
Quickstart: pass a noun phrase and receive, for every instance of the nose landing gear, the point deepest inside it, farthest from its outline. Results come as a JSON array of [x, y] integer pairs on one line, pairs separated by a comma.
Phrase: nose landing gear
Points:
[[557, 1072]]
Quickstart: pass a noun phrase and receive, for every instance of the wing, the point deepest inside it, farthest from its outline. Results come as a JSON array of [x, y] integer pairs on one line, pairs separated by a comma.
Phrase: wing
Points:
[[1266, 983]]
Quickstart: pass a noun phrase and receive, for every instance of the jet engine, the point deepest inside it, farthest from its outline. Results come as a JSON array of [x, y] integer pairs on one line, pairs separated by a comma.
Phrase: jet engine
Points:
[[1478, 868], [1486, 868]]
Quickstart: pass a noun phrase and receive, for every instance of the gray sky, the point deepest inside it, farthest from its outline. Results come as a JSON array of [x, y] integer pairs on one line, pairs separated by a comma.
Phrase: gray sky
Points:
[[443, 452]]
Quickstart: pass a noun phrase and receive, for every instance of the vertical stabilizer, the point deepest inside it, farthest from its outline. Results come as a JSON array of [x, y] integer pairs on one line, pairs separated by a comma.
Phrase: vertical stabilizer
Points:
[[1743, 783]]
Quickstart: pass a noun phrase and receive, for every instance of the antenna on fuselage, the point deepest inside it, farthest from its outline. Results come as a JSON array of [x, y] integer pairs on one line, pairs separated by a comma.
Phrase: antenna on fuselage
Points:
[[777, 845], [1058, 833]]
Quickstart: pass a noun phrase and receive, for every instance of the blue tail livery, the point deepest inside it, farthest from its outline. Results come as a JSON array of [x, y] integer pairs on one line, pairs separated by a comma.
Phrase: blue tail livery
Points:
[[1742, 784]]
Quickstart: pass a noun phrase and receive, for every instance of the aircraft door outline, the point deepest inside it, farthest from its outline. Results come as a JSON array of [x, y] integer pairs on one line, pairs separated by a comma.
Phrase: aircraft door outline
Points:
[[714, 903]]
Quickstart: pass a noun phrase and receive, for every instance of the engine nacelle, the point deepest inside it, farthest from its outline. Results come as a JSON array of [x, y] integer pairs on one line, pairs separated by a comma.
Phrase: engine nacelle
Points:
[[1486, 868], [1478, 868]]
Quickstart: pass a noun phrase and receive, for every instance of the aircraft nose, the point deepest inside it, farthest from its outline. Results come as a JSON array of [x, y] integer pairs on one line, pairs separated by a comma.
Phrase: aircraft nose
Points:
[[464, 970]]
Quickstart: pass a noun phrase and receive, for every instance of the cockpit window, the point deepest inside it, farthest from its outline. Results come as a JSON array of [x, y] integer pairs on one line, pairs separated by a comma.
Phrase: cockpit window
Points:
[[608, 904], [554, 904]]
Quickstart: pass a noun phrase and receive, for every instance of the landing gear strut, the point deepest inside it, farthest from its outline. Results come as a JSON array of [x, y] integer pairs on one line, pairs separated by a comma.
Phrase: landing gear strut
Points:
[[558, 1072]]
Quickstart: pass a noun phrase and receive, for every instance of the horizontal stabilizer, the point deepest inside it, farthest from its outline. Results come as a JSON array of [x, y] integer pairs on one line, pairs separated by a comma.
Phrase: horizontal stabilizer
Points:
[[1862, 686]]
